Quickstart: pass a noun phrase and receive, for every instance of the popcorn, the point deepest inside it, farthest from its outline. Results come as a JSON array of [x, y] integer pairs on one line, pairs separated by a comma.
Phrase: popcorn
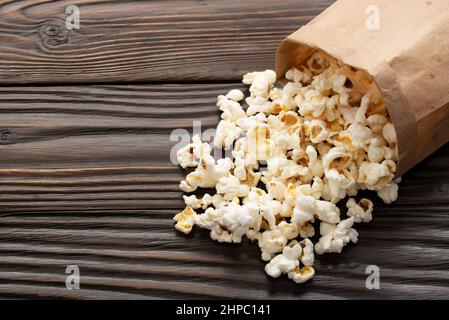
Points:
[[249, 122], [389, 193], [304, 210], [376, 122], [389, 133], [232, 110], [257, 197], [360, 115], [291, 121], [331, 113], [275, 166], [210, 218], [317, 63], [260, 82], [289, 262], [293, 170], [297, 151], [206, 174], [299, 75], [335, 236], [348, 113], [196, 203], [323, 148], [306, 230], [308, 207], [361, 135], [258, 105], [376, 176], [292, 89], [271, 242], [336, 157], [283, 104], [235, 95], [240, 169], [361, 211], [275, 94], [340, 182], [307, 257], [317, 130], [227, 132], [377, 150], [261, 147], [276, 189], [229, 223], [285, 262], [317, 187], [389, 154], [185, 220], [288, 230], [192, 202], [237, 220], [190, 155], [252, 178], [231, 187], [312, 104], [301, 275], [218, 201]]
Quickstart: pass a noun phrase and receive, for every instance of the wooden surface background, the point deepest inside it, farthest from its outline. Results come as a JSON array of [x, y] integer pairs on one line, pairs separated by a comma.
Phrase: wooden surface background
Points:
[[85, 173]]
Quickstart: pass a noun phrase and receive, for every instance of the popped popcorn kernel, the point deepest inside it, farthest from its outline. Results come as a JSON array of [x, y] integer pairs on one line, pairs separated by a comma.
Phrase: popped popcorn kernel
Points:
[[361, 211], [235, 95], [301, 275], [285, 262], [232, 110], [185, 220], [190, 155], [335, 236], [389, 193]]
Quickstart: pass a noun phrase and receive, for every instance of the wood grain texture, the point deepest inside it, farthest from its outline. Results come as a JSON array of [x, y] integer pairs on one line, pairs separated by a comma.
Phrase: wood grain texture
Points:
[[155, 41], [86, 179], [97, 147], [85, 171]]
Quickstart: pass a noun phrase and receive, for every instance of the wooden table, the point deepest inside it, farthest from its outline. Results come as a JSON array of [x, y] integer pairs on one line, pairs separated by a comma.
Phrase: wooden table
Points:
[[85, 176]]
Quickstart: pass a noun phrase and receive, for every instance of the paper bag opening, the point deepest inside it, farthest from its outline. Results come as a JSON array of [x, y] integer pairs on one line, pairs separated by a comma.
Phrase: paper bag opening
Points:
[[407, 57]]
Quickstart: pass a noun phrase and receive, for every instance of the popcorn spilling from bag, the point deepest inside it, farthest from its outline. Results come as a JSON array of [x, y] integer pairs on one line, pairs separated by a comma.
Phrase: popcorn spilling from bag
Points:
[[296, 152]]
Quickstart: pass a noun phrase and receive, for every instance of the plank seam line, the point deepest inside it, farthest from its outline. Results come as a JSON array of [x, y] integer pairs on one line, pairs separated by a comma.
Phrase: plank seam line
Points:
[[121, 83]]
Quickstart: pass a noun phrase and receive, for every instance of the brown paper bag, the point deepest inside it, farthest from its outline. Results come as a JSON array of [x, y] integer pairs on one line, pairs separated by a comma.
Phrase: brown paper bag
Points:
[[407, 54]]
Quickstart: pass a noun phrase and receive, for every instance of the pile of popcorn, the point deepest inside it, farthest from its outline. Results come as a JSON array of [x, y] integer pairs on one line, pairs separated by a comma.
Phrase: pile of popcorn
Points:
[[296, 152]]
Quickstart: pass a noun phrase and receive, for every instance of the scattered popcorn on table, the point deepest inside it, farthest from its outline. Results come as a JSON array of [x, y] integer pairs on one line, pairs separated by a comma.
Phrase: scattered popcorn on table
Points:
[[297, 151], [335, 236], [361, 211], [285, 262]]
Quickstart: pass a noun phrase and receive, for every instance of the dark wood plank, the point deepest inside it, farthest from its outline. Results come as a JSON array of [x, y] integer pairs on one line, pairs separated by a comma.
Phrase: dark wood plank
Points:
[[85, 179], [97, 147], [145, 40]]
